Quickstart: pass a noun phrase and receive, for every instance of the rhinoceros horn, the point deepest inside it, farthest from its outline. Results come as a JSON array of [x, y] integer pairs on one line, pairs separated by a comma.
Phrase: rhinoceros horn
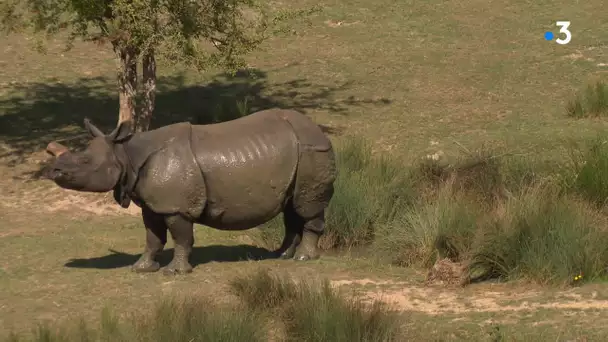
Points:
[[56, 149]]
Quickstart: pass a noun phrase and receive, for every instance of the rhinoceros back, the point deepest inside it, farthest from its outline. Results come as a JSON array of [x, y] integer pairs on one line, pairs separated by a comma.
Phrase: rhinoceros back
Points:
[[248, 165]]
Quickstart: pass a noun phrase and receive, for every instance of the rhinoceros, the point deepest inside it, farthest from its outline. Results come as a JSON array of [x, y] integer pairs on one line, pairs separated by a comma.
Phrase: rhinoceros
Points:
[[233, 175]]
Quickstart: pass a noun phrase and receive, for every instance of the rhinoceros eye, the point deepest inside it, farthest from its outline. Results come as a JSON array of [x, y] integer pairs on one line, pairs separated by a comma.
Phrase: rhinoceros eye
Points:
[[85, 160]]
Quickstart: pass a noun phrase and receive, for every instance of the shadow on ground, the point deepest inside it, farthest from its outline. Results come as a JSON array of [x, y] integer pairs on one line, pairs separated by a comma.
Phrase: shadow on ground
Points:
[[200, 255], [35, 113]]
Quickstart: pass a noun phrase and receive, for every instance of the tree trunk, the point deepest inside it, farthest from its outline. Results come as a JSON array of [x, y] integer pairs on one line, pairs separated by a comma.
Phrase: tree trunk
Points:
[[127, 83], [149, 92]]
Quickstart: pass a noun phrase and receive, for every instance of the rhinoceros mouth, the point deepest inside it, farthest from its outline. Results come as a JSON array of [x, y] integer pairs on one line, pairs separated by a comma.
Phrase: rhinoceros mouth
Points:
[[58, 175], [54, 174]]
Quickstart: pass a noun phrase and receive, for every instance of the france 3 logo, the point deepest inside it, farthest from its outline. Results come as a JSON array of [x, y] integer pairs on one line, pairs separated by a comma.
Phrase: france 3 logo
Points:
[[563, 25]]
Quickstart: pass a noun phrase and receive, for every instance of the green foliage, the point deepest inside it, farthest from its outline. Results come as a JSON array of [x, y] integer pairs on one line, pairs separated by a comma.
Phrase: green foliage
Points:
[[593, 102], [439, 227], [544, 237], [316, 312], [369, 191], [538, 234], [199, 33], [528, 231], [477, 172], [591, 172]]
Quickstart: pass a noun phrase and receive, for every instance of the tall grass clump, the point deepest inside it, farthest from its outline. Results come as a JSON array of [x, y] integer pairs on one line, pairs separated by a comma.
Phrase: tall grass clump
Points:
[[369, 190], [439, 227], [198, 320], [593, 102], [443, 221], [542, 236], [478, 173], [591, 172], [171, 320], [316, 312], [263, 291], [46, 333]]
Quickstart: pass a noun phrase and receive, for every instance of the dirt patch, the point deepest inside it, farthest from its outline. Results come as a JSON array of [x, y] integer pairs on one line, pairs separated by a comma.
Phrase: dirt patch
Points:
[[363, 282], [434, 300], [332, 23], [56, 199], [91, 204], [24, 187], [446, 272]]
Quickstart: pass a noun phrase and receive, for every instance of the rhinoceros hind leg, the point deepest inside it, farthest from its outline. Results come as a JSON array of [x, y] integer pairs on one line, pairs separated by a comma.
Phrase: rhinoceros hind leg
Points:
[[313, 229], [156, 238], [294, 225], [313, 191], [183, 238]]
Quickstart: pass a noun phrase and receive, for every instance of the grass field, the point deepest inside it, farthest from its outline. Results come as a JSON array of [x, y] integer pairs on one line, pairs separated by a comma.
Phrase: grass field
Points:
[[413, 79]]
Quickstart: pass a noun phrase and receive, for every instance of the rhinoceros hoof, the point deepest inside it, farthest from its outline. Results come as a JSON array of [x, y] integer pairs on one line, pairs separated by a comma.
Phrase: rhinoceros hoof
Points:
[[286, 255], [148, 267], [305, 257]]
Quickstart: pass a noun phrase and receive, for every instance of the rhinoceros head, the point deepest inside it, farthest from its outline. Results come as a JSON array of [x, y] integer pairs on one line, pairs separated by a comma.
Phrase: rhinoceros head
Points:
[[97, 168]]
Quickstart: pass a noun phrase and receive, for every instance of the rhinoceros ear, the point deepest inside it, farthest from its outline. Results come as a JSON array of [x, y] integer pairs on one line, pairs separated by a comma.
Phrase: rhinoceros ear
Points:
[[93, 131], [123, 132]]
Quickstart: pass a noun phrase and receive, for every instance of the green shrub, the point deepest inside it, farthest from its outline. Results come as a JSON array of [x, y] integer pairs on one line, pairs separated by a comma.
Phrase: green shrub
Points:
[[369, 190], [321, 315], [591, 173], [441, 226], [542, 236], [592, 103], [519, 171], [478, 173], [262, 291], [316, 312], [353, 155]]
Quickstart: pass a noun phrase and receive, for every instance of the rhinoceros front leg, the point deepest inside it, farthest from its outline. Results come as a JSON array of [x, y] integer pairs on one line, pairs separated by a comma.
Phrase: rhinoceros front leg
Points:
[[183, 237], [156, 238]]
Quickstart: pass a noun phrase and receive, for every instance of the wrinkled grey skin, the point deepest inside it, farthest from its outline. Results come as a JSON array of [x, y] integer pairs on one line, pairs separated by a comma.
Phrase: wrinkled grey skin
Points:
[[230, 176]]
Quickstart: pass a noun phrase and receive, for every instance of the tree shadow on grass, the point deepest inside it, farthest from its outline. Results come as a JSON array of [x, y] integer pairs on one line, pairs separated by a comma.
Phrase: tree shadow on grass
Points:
[[200, 255], [34, 114]]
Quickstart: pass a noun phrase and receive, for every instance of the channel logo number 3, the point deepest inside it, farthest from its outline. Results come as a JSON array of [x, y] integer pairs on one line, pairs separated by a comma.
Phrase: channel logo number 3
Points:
[[563, 29]]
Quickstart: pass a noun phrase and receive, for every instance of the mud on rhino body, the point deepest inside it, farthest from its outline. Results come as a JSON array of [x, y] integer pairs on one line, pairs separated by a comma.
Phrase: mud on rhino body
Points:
[[233, 175]]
